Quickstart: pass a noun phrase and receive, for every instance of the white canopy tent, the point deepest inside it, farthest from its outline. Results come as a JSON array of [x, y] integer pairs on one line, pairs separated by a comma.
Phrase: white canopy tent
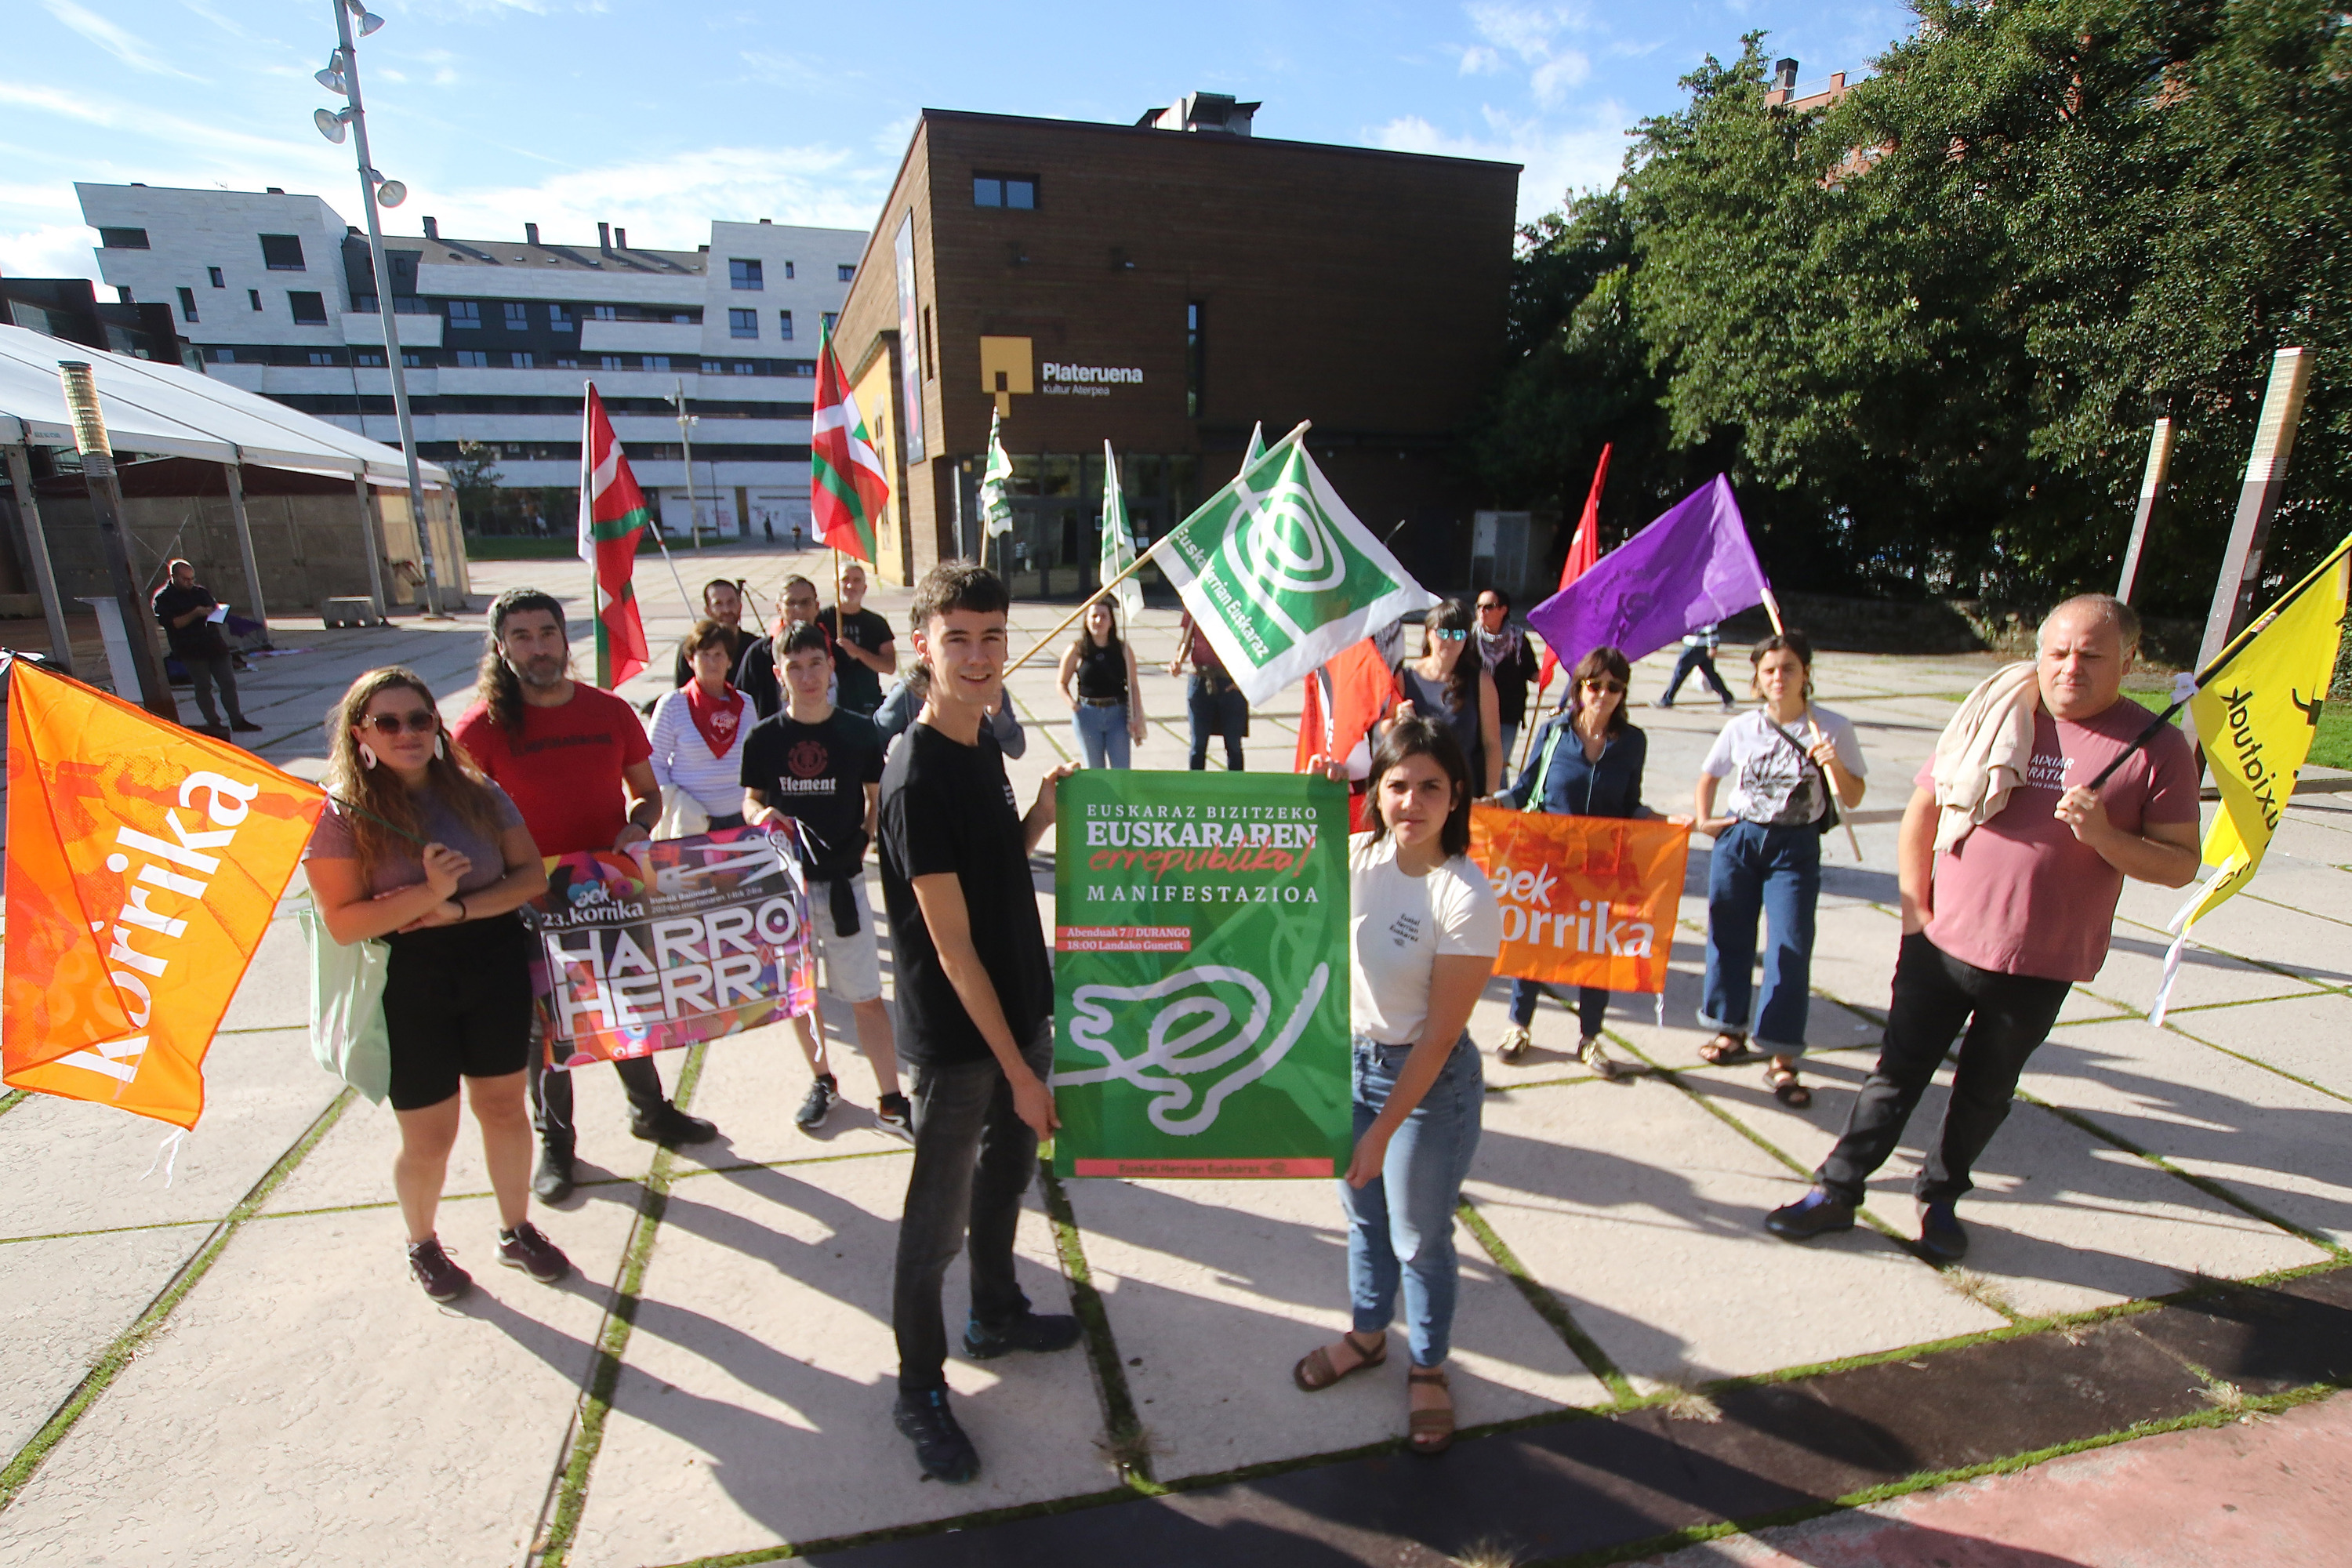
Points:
[[167, 410]]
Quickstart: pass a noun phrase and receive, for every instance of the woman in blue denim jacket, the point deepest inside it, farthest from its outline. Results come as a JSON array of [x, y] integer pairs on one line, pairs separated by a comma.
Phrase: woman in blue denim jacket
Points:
[[1423, 929]]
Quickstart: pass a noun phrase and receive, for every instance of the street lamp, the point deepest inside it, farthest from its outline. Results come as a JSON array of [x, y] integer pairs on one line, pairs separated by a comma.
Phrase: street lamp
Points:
[[686, 424], [342, 76]]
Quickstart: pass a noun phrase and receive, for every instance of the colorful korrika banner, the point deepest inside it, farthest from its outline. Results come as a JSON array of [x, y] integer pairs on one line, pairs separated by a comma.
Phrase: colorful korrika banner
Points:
[[707, 935], [1201, 976], [143, 865], [1587, 901]]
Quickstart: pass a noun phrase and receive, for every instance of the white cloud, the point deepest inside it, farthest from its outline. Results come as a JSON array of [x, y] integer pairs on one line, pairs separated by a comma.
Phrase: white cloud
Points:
[[1528, 31], [50, 250], [1480, 61], [668, 203], [1557, 159], [1552, 79], [130, 50]]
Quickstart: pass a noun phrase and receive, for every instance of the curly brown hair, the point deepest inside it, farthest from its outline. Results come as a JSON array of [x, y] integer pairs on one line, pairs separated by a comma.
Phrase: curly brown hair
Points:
[[387, 821]]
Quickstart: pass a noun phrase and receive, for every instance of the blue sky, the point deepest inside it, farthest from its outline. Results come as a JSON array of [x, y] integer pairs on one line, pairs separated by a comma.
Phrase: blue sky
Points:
[[661, 116]]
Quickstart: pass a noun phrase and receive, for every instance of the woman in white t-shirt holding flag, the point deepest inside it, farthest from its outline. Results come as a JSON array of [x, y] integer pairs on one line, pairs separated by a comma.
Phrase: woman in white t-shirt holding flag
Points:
[[1787, 761], [1423, 929]]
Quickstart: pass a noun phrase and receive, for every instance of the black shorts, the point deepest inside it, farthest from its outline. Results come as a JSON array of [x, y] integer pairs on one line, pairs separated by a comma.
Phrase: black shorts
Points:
[[457, 1003]]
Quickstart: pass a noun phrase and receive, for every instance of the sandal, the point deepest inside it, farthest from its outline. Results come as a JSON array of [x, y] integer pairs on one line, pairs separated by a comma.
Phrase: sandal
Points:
[[1430, 1431], [1782, 1082], [1724, 1050], [1315, 1371]]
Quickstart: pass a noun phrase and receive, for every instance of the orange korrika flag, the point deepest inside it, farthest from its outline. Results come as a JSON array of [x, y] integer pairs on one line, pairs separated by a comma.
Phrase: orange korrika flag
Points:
[[1587, 901], [143, 863]]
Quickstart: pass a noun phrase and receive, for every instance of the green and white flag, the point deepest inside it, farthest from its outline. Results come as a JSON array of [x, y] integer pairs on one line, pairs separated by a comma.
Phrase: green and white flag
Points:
[[1256, 445], [995, 511], [1119, 543], [1281, 576]]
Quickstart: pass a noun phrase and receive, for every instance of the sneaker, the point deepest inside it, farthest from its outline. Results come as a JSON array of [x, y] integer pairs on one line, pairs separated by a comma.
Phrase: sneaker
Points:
[[1039, 1331], [896, 1117], [940, 1446], [1663, 704], [1514, 1045], [1595, 1055], [443, 1280], [670, 1127], [1727, 705], [1942, 1235], [245, 725], [822, 1098], [551, 1181], [526, 1248], [1818, 1213]]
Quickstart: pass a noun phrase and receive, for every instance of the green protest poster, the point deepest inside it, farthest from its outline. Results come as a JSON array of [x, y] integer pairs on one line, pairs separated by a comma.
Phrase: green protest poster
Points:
[[1201, 976]]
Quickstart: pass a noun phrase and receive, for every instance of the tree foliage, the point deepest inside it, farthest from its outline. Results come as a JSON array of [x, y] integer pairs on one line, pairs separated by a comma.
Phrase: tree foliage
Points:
[[1925, 329]]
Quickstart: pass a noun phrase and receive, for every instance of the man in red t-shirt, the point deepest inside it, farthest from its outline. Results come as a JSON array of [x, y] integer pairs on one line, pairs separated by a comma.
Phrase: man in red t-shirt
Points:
[[576, 762], [1998, 926]]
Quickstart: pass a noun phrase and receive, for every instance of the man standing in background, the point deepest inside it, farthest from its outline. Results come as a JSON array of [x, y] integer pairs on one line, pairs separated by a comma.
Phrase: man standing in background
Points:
[[722, 601], [1509, 659], [863, 653], [185, 606]]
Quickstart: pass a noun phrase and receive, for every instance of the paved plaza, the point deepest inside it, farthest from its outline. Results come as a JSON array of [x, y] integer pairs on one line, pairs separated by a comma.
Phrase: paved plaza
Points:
[[235, 1368]]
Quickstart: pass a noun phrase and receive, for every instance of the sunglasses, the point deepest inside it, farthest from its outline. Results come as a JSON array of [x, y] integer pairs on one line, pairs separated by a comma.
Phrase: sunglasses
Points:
[[1485, 605], [419, 721], [1603, 684], [1443, 636]]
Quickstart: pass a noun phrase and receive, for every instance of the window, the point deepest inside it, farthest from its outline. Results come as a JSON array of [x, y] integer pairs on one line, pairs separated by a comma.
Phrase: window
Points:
[[222, 356], [559, 319], [563, 362], [254, 295], [604, 312], [413, 362], [282, 252], [522, 360], [655, 361], [743, 273], [366, 357], [846, 271], [122, 238], [609, 362], [465, 313], [319, 357], [187, 304], [931, 370], [1005, 191], [743, 367], [517, 316], [310, 308], [788, 269], [784, 325], [710, 367], [1195, 352], [742, 324], [473, 359], [685, 319], [831, 319], [218, 281]]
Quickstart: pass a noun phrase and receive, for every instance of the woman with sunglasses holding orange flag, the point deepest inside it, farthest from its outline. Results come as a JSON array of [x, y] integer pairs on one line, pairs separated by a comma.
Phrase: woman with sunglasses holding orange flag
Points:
[[416, 847]]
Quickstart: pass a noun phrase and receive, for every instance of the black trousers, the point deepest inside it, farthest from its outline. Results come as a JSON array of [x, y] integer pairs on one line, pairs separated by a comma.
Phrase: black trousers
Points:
[[2007, 1016], [550, 1092]]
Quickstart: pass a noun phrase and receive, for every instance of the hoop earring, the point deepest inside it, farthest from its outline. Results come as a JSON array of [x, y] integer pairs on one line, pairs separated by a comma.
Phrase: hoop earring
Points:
[[367, 755]]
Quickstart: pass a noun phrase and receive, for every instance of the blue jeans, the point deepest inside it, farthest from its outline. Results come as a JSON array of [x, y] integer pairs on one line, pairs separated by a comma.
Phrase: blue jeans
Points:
[[1777, 872], [1591, 1003], [1101, 735], [1412, 1239], [1702, 660]]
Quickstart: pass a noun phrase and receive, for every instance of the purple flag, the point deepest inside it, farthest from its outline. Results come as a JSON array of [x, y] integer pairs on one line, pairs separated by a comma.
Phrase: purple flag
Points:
[[1692, 567]]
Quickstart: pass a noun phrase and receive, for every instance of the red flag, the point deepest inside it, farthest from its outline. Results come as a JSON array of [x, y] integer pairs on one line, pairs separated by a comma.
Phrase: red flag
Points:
[[1582, 551], [611, 511], [847, 490], [1354, 690]]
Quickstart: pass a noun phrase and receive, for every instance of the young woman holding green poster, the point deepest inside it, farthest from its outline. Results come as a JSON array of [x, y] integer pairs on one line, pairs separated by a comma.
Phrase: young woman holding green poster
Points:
[[1425, 929]]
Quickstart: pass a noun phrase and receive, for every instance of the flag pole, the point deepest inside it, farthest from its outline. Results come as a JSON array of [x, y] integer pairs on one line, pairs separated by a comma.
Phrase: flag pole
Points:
[[692, 612], [1137, 564]]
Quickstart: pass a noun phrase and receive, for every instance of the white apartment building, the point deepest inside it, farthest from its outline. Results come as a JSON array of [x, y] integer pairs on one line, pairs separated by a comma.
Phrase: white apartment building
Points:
[[279, 294]]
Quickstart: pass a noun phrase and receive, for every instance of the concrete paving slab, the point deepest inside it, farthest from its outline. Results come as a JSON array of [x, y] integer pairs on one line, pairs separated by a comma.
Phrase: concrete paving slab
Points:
[[2308, 1036], [96, 1166], [751, 1084], [62, 1302], [2266, 1138], [306, 1404], [755, 1408], [2135, 967], [1215, 1289], [1667, 1263], [2284, 938], [352, 1164]]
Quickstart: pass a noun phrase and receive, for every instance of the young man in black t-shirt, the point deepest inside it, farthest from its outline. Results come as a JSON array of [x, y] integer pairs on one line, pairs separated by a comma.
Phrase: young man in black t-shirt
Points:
[[862, 644], [185, 607], [823, 767], [975, 994]]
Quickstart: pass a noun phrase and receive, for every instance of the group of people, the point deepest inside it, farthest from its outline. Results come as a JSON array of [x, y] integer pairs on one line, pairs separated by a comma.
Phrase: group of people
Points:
[[2010, 869]]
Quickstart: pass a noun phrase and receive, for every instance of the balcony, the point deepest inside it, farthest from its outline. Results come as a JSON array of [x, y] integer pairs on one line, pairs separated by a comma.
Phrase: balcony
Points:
[[416, 331], [682, 339]]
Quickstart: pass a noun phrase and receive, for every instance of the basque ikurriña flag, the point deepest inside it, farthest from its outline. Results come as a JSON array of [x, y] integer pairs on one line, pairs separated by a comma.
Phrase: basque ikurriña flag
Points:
[[847, 490], [611, 512]]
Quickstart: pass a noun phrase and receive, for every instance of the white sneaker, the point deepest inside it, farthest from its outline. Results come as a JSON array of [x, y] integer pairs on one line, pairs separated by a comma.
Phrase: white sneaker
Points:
[[1595, 1055], [1514, 1045]]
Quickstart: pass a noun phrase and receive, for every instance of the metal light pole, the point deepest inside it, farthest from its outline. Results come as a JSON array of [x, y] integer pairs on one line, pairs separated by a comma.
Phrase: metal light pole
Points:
[[686, 424], [346, 67], [106, 505]]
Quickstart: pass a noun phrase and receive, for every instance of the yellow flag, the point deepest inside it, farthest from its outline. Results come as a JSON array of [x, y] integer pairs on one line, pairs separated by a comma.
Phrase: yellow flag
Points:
[[2257, 719]]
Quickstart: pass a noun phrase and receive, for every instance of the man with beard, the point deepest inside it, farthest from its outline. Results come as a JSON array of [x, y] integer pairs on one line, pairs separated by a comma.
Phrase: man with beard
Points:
[[722, 601], [578, 766]]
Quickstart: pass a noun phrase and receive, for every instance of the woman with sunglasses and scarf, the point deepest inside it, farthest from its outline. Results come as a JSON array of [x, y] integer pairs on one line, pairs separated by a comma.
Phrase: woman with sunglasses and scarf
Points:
[[1448, 688], [1787, 761], [418, 850], [1586, 761]]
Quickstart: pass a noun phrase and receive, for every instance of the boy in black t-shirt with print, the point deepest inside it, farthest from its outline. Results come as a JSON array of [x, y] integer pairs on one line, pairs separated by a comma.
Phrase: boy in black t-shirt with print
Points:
[[975, 999], [822, 767]]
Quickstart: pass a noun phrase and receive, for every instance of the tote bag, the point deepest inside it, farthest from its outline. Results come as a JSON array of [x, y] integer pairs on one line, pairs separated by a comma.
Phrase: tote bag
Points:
[[347, 1032]]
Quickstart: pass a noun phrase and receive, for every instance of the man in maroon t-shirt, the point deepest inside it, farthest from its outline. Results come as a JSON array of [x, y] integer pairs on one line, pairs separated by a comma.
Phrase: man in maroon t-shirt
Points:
[[1998, 926], [576, 762]]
